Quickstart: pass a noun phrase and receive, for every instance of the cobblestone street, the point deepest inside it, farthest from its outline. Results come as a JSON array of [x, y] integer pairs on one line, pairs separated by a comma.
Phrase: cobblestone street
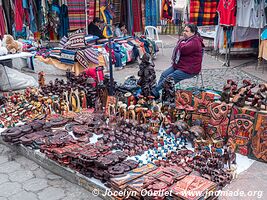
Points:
[[23, 179]]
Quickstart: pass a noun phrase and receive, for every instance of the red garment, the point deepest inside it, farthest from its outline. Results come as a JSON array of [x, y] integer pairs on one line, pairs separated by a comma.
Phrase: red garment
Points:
[[2, 22], [19, 13], [136, 15], [227, 12], [97, 75], [191, 54]]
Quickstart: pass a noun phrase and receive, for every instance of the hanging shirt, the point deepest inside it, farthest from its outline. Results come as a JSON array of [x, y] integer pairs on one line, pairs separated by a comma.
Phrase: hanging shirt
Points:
[[244, 12], [227, 11], [258, 19]]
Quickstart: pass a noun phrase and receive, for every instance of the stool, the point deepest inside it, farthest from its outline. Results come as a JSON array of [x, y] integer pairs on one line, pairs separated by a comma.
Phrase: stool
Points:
[[197, 77]]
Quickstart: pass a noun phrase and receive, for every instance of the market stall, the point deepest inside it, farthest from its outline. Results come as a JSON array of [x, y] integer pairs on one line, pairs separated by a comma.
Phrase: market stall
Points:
[[131, 142]]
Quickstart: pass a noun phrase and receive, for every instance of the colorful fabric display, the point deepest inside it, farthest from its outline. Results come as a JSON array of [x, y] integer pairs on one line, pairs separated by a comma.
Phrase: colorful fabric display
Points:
[[203, 12], [76, 14], [76, 40], [81, 58], [63, 41], [67, 56], [151, 13], [91, 55], [137, 16], [90, 39], [166, 9], [227, 12]]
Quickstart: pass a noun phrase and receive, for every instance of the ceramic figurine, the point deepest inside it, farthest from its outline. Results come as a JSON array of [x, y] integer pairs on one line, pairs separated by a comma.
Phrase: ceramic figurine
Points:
[[83, 100], [147, 75], [131, 112]]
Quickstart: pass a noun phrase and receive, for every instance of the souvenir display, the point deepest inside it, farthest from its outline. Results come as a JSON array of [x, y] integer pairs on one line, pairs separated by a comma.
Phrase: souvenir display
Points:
[[129, 141]]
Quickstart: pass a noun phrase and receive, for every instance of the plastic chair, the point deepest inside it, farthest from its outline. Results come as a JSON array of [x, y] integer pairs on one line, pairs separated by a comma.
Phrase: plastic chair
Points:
[[152, 33]]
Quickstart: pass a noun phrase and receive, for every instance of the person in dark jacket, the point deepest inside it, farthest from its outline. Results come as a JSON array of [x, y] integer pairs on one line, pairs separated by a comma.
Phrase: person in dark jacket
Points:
[[94, 28], [186, 58]]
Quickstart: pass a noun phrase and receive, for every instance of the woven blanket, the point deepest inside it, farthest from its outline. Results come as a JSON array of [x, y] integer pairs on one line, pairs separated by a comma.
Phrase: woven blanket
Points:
[[203, 12], [151, 13], [77, 16], [137, 16], [91, 10], [67, 56]]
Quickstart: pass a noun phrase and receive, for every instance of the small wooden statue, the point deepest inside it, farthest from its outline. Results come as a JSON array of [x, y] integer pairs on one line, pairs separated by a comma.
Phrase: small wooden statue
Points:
[[168, 91], [147, 75], [260, 97]]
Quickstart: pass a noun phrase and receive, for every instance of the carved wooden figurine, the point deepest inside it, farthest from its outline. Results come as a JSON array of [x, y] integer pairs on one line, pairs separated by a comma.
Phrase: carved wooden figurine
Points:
[[147, 75], [41, 78]]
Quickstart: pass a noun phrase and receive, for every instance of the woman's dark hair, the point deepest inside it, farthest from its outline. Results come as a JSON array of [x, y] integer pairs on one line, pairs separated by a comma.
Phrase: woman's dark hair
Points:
[[121, 24], [193, 28]]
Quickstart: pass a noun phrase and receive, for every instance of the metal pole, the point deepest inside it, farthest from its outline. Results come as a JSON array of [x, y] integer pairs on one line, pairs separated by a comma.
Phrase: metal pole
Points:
[[111, 89]]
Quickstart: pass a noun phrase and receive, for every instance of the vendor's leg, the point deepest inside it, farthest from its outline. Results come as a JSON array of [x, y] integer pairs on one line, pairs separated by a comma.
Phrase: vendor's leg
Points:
[[163, 76], [179, 75]]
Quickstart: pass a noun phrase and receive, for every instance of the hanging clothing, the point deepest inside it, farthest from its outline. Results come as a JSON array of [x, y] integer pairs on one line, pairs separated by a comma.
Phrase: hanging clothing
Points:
[[136, 15], [64, 21], [244, 12], [8, 12], [77, 16], [227, 12], [91, 10], [143, 13], [2, 22], [203, 12], [19, 13], [33, 27], [166, 9], [151, 13], [258, 16]]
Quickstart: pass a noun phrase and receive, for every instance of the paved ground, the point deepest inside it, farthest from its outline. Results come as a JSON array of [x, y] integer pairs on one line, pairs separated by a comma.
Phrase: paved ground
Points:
[[23, 179]]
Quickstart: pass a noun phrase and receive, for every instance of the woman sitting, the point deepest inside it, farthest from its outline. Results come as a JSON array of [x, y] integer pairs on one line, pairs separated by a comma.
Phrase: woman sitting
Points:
[[120, 31]]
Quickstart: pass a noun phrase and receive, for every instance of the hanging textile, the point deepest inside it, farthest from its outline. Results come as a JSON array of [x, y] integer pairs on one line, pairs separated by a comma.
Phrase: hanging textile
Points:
[[227, 12], [2, 22], [166, 9], [77, 16], [136, 15], [258, 15], [130, 16], [91, 10], [33, 26], [18, 15], [8, 11], [244, 12], [64, 21], [143, 8], [117, 10], [151, 12], [203, 12]]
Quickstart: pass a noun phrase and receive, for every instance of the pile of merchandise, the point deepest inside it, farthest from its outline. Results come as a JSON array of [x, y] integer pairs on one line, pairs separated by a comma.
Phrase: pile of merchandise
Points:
[[185, 142]]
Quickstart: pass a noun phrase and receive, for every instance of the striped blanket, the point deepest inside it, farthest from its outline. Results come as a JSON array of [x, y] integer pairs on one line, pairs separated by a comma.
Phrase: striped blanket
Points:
[[77, 16], [203, 12]]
